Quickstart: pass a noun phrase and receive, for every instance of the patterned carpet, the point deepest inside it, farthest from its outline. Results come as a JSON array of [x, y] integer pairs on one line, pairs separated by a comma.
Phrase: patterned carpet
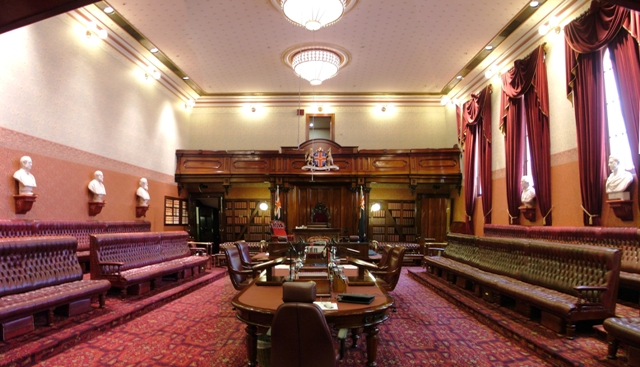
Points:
[[200, 329], [193, 324]]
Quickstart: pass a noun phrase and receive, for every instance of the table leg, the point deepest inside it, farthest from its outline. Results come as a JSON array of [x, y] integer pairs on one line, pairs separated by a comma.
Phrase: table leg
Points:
[[252, 344], [355, 335], [372, 345]]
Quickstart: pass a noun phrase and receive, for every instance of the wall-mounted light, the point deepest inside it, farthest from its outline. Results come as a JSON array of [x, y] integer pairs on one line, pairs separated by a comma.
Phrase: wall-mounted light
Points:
[[383, 108], [152, 73], [375, 207], [551, 24], [94, 31], [493, 70], [264, 206], [253, 109], [445, 100], [189, 104]]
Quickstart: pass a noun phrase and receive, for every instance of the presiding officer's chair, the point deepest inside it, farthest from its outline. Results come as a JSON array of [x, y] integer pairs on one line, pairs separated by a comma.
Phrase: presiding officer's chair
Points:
[[300, 336]]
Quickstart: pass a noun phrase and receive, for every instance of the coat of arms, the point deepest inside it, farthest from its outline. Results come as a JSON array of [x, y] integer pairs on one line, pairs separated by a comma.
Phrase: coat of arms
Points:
[[319, 160]]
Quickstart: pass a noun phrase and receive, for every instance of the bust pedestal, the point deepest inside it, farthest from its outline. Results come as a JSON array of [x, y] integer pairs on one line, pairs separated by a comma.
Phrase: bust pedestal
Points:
[[623, 209], [529, 212], [24, 203], [141, 211], [95, 207]]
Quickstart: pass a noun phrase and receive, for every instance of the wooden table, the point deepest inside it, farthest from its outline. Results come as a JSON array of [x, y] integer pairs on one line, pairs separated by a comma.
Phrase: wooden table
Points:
[[256, 307]]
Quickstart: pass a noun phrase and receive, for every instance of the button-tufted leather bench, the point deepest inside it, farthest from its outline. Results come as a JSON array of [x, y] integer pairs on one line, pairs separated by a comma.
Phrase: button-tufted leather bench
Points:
[[140, 260], [626, 239], [560, 283], [78, 229], [42, 274], [627, 331]]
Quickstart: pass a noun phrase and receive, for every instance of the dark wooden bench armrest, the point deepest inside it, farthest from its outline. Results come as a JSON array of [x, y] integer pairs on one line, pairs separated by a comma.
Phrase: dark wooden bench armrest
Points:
[[589, 295], [266, 265], [111, 267]]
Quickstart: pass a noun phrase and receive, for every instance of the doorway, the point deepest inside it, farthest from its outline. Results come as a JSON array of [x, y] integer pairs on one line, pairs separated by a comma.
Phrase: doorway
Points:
[[434, 218], [208, 222]]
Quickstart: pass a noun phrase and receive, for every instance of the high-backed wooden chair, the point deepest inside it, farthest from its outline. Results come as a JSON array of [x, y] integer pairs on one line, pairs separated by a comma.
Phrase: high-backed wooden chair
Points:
[[300, 336], [320, 215], [278, 231]]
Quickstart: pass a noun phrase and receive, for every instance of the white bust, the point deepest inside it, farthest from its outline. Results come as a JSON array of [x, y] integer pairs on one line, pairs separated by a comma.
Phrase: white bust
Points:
[[528, 196], [24, 177], [143, 192], [619, 179], [96, 186]]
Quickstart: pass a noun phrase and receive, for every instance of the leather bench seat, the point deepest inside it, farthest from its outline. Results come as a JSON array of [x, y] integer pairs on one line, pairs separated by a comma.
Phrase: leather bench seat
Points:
[[626, 330], [42, 274], [565, 282], [141, 259]]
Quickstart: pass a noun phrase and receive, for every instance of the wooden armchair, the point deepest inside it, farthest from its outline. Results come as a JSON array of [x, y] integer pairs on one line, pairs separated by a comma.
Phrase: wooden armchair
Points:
[[320, 215]]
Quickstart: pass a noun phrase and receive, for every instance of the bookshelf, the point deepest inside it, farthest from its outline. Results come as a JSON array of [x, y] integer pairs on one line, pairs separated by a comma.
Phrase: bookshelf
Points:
[[245, 221], [395, 221]]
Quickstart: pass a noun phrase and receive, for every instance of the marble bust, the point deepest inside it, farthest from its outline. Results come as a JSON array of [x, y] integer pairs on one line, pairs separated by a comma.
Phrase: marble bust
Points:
[[24, 177], [619, 179], [143, 192], [528, 192], [96, 186]]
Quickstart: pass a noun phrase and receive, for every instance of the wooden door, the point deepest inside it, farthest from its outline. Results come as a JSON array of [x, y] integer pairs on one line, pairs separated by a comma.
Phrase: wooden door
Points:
[[434, 217]]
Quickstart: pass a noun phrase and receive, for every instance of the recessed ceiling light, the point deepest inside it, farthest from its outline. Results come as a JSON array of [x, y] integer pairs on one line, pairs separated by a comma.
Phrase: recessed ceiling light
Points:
[[108, 10], [154, 50], [185, 78], [489, 47], [534, 4], [459, 77]]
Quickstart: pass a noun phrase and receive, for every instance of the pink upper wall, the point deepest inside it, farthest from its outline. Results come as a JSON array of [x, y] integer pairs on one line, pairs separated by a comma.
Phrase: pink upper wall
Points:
[[62, 178]]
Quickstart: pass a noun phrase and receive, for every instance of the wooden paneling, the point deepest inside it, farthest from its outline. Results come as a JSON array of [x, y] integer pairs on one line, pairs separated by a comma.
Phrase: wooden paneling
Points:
[[340, 201], [433, 222]]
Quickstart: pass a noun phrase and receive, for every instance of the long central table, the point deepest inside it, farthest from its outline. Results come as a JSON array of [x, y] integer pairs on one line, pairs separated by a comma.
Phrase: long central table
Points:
[[256, 307]]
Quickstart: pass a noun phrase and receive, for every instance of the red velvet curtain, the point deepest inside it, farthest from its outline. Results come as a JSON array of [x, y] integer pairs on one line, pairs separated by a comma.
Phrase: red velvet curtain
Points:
[[625, 58], [475, 124], [513, 130], [525, 99], [586, 38]]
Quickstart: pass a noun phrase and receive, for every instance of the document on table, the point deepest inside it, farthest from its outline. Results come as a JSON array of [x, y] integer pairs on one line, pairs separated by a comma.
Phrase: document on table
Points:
[[327, 305]]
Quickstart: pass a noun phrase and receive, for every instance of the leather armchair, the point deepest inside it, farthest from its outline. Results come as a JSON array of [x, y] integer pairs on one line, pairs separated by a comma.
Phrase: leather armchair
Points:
[[245, 256], [240, 277], [300, 336]]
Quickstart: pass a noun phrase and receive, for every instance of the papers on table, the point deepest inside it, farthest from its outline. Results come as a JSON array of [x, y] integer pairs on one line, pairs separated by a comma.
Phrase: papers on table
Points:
[[327, 305]]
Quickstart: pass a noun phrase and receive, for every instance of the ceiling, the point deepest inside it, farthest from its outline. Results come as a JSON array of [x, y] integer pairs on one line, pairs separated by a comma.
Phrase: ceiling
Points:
[[400, 47]]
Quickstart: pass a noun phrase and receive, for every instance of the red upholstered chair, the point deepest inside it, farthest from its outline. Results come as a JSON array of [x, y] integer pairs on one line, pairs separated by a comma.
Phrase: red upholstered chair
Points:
[[278, 231], [300, 336]]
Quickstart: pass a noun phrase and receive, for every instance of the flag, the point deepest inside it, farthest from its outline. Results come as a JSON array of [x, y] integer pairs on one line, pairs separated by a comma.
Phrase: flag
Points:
[[361, 224], [276, 210]]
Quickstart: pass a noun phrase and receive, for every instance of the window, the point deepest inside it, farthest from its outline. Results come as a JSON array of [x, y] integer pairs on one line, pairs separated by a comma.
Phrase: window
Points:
[[618, 141], [175, 212], [320, 126], [526, 166]]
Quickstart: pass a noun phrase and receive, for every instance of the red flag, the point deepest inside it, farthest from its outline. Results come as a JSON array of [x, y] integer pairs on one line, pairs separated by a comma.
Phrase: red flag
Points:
[[278, 205]]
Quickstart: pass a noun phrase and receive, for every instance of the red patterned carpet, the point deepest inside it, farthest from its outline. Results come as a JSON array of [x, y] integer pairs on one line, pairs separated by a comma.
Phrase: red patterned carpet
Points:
[[192, 324], [200, 329]]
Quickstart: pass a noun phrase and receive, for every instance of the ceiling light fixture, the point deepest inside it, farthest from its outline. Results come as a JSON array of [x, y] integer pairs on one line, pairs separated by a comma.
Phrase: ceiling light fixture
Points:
[[313, 14], [534, 4], [108, 10], [316, 65], [185, 78], [488, 48], [154, 50]]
